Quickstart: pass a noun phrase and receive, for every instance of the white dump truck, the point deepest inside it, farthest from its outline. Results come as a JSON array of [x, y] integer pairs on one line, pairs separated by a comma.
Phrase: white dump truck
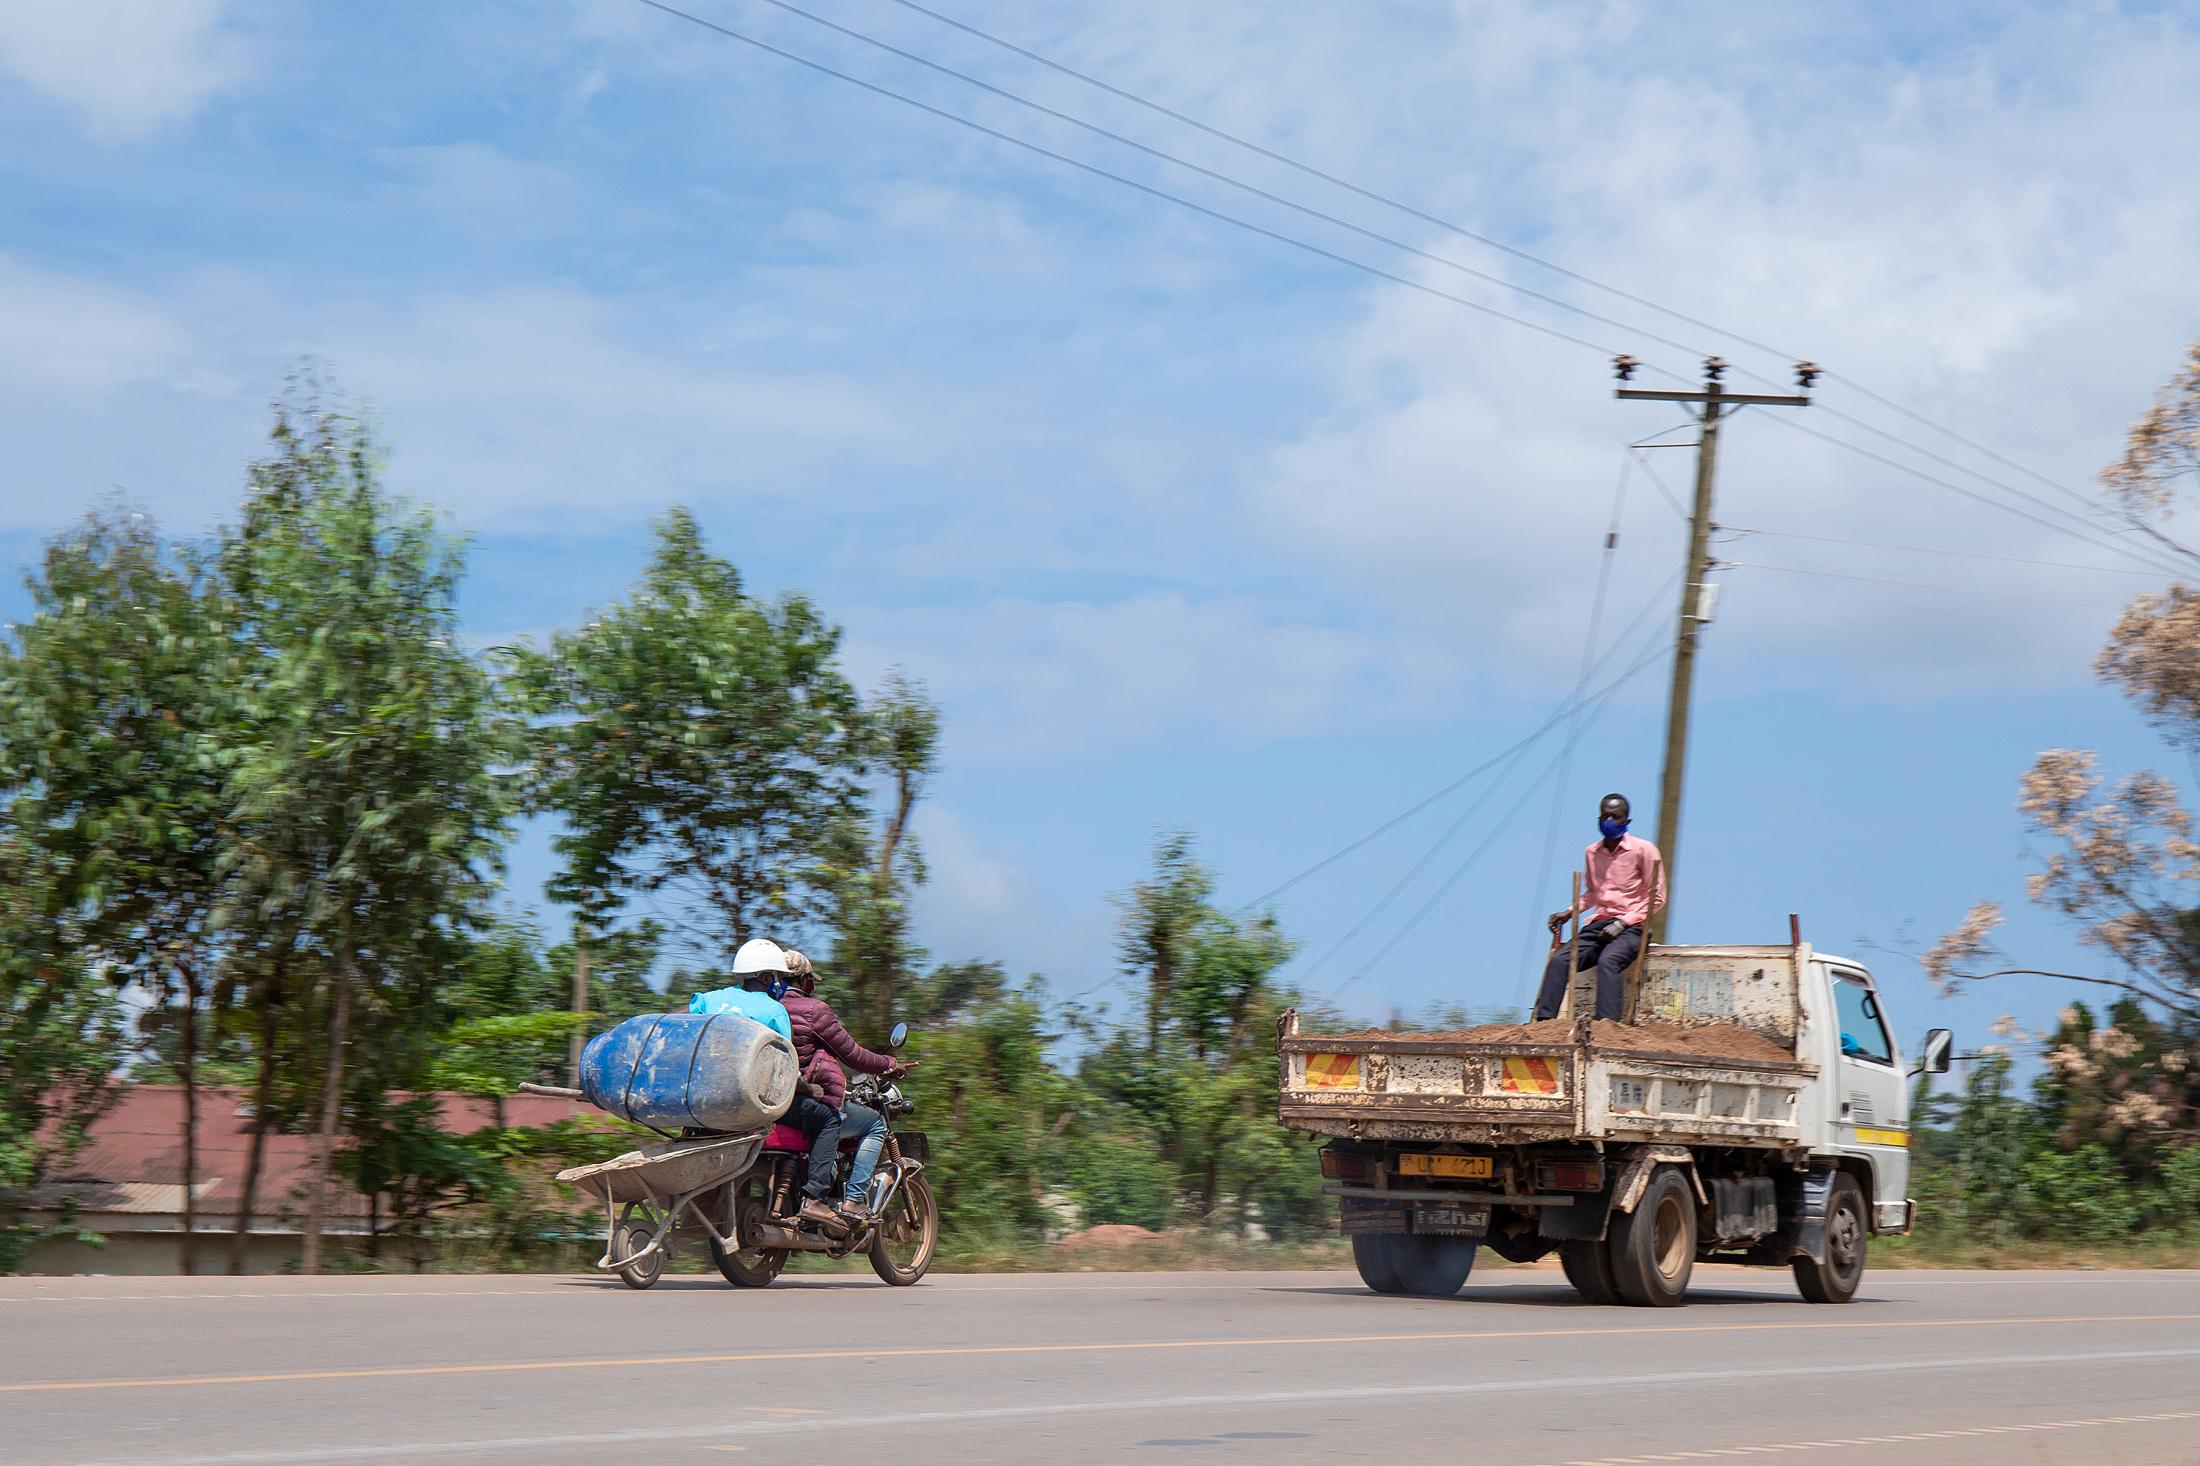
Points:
[[1757, 1112]]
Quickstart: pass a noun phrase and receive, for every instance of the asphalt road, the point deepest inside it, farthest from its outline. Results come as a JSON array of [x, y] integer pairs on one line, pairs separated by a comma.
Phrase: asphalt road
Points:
[[1924, 1367]]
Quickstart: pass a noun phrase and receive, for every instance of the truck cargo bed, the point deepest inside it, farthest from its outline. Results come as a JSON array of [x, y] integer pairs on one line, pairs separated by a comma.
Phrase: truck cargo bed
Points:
[[1683, 1077]]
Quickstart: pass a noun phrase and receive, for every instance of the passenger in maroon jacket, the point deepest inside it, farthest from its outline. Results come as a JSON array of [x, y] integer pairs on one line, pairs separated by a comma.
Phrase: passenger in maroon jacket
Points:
[[822, 1045]]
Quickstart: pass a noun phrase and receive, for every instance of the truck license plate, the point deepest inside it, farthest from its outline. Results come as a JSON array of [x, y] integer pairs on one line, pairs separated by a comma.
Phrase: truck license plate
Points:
[[1458, 1221], [1459, 1167]]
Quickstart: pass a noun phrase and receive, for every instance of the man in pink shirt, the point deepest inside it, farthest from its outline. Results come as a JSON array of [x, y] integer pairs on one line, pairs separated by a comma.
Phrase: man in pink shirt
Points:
[[1625, 882]]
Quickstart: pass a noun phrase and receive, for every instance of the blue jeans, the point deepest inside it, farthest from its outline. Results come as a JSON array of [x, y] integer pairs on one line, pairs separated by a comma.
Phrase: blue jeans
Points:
[[1608, 955], [868, 1123], [822, 1122]]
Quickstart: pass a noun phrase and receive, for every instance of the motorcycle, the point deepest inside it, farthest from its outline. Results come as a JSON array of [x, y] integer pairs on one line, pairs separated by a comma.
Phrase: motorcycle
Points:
[[744, 1193], [760, 1207]]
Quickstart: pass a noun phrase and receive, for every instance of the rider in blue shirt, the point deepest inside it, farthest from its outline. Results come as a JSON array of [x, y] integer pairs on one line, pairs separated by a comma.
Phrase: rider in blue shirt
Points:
[[762, 968], [758, 960]]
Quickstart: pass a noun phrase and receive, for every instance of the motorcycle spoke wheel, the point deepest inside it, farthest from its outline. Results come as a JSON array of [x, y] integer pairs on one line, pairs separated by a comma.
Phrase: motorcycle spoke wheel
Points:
[[751, 1267], [907, 1235]]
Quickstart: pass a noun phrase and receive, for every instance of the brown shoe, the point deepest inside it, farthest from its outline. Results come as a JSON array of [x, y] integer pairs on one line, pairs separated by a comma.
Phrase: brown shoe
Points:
[[819, 1215], [853, 1213]]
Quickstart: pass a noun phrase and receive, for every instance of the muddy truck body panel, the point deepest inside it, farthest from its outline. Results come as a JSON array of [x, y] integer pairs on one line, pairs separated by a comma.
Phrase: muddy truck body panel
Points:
[[1764, 1118]]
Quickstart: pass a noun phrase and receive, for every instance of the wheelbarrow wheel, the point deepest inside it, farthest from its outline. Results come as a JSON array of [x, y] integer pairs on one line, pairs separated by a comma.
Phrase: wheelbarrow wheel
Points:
[[629, 1238], [750, 1267]]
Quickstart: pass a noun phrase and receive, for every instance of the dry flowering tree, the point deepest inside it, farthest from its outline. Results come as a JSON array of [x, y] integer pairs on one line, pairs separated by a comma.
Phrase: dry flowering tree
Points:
[[2121, 861]]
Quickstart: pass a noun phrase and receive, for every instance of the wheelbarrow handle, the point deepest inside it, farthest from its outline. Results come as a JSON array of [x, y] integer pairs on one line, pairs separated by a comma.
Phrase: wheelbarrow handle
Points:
[[552, 1090]]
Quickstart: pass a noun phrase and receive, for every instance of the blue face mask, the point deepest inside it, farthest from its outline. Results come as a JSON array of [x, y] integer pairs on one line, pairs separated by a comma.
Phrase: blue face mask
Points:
[[1612, 829], [777, 987]]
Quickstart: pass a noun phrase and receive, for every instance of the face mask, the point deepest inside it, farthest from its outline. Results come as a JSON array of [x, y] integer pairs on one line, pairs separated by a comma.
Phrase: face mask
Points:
[[777, 987], [1612, 829]]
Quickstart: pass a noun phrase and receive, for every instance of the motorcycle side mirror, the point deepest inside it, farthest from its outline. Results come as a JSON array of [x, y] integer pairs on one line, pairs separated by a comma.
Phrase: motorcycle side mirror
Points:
[[898, 1037]]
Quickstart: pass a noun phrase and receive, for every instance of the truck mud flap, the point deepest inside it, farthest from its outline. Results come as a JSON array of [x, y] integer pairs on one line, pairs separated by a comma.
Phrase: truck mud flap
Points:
[[1803, 1216], [1357, 1218], [1584, 1221], [1451, 1219]]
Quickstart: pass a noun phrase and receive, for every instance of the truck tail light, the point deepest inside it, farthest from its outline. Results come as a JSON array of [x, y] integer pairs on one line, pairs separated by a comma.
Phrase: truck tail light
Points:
[[1569, 1175], [1345, 1165]]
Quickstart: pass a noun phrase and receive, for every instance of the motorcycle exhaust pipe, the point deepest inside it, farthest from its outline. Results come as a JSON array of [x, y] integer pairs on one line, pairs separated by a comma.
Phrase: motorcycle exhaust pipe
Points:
[[787, 1239]]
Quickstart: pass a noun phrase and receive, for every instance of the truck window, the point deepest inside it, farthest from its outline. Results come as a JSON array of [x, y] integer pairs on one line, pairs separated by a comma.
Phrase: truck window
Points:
[[1863, 1035]]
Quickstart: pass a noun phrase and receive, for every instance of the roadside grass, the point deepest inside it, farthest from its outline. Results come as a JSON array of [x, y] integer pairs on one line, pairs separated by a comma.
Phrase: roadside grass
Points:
[[1919, 1252]]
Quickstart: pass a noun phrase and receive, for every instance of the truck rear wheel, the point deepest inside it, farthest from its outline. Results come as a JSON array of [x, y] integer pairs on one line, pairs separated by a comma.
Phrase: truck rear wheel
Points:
[[1588, 1267], [1372, 1256], [1432, 1267], [1653, 1247], [1847, 1228]]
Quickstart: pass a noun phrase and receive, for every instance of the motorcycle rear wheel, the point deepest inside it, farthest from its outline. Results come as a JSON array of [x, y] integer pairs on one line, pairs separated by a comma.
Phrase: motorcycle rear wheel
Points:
[[751, 1267], [908, 1233]]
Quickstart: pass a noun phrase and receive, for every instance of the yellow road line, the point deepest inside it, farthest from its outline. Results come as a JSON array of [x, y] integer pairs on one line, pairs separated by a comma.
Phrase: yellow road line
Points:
[[953, 1351], [1907, 1437]]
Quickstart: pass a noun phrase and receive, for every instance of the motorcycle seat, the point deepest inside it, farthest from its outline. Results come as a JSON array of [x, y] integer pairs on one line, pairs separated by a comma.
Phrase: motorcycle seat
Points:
[[786, 1137]]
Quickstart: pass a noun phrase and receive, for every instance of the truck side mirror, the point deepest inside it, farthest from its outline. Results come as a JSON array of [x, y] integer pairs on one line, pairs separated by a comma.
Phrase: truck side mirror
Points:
[[1939, 1047]]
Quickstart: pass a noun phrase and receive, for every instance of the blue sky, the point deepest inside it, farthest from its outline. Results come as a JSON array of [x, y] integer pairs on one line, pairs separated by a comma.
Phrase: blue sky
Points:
[[1184, 527]]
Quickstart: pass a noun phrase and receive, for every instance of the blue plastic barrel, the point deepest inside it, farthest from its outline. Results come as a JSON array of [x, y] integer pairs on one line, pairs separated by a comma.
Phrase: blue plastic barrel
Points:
[[715, 1071]]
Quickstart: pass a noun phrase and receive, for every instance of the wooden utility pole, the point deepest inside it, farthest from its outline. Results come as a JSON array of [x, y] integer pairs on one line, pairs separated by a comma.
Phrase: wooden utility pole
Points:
[[1717, 403], [580, 996]]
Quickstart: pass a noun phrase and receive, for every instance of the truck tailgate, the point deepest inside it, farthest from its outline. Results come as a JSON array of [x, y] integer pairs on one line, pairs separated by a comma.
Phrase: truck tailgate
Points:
[[1405, 1087]]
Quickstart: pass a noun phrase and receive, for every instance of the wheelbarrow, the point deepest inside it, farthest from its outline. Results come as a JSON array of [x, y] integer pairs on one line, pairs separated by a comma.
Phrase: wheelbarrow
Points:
[[644, 1192]]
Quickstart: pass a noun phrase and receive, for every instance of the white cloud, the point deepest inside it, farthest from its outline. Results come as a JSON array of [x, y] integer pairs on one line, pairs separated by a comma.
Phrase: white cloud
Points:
[[1112, 679], [129, 66], [2002, 253]]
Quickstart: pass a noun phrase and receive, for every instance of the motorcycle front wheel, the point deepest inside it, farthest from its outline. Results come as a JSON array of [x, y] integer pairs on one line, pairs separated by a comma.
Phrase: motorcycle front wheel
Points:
[[907, 1234]]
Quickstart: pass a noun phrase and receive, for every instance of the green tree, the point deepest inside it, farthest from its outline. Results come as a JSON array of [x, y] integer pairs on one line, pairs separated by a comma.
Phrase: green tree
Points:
[[702, 749], [1158, 918], [366, 807], [114, 736], [872, 952], [1203, 1086], [62, 1033]]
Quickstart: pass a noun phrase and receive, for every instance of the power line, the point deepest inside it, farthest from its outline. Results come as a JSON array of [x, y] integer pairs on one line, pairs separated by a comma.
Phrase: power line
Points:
[[1578, 702], [1330, 178], [1145, 188], [1436, 848], [1945, 461], [1305, 245], [1528, 257], [1917, 585], [1974, 496], [1460, 871], [1225, 179], [1558, 716], [1664, 492], [1820, 539], [1981, 448], [1588, 644]]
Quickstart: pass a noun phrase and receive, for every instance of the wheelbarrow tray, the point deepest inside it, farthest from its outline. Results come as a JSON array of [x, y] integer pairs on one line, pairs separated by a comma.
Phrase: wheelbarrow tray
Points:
[[661, 1174]]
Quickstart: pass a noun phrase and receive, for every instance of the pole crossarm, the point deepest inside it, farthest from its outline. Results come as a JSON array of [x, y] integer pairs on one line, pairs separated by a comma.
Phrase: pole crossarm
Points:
[[1729, 399]]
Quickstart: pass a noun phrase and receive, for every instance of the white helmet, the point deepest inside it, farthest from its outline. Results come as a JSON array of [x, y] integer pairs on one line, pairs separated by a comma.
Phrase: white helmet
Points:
[[759, 954]]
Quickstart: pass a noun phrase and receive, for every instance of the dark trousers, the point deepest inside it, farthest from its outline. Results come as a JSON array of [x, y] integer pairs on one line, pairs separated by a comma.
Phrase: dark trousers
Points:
[[1608, 955], [822, 1121]]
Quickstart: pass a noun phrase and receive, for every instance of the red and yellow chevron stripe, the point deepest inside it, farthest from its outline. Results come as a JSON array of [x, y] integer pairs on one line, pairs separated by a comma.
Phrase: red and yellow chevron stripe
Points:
[[1332, 1071], [1528, 1076]]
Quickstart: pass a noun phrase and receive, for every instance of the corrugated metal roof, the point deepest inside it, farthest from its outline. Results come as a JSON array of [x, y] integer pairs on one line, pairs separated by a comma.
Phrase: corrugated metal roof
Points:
[[136, 1152]]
